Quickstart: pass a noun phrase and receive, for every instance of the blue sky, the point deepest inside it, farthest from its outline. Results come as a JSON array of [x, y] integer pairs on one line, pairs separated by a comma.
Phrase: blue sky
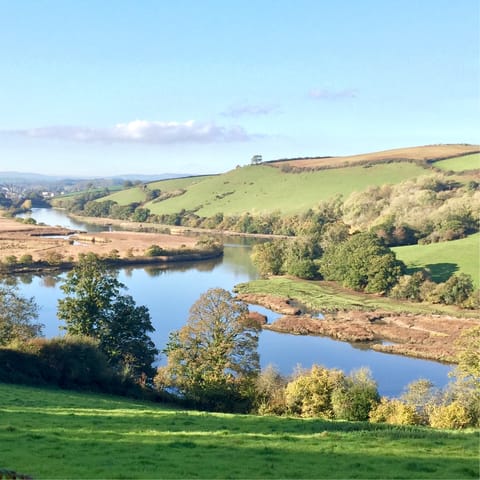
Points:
[[103, 87]]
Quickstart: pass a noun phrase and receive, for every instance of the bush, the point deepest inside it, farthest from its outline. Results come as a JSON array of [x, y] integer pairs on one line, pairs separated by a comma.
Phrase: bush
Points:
[[26, 259], [270, 392], [310, 393], [356, 398], [154, 251], [452, 416], [394, 412]]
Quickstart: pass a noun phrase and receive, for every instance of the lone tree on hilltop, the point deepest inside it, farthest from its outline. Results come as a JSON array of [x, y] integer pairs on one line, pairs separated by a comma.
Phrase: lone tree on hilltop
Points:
[[213, 360], [94, 306]]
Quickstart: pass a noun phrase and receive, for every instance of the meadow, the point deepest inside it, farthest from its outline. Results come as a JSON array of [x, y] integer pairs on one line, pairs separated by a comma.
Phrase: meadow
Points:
[[444, 258], [460, 164], [265, 189], [321, 296], [64, 434]]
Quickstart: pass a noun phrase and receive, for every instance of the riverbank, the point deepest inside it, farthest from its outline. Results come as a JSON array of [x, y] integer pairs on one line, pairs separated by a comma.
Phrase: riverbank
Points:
[[27, 248], [418, 334]]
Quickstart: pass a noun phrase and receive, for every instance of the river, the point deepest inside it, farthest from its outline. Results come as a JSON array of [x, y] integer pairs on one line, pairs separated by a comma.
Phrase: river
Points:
[[168, 294]]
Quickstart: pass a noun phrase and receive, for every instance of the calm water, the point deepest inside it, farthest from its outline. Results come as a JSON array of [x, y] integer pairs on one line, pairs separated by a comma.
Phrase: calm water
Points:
[[169, 294]]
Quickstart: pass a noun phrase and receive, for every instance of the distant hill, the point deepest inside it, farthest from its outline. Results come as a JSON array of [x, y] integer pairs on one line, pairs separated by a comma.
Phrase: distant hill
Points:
[[23, 178], [261, 188], [425, 154]]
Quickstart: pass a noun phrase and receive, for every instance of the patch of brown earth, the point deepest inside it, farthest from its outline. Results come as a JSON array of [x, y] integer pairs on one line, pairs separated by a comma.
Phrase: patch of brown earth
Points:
[[17, 239], [277, 304], [418, 335]]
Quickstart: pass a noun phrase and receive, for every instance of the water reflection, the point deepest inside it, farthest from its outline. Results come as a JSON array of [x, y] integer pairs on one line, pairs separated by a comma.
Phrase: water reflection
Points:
[[169, 292]]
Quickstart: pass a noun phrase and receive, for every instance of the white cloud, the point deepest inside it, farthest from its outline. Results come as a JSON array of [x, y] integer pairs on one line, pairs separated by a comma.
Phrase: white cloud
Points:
[[248, 109], [329, 94], [144, 131]]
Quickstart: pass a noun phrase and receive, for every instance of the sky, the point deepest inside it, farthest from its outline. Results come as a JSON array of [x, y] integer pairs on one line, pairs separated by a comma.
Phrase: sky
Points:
[[109, 87]]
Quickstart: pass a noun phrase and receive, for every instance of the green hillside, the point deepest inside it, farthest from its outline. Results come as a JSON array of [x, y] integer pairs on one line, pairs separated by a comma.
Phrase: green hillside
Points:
[[445, 258], [260, 189], [460, 164], [62, 434]]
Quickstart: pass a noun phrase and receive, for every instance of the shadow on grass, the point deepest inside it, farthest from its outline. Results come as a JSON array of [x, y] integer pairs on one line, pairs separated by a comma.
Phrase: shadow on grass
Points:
[[439, 272]]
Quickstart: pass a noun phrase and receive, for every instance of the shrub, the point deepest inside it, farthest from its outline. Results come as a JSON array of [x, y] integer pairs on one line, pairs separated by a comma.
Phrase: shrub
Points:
[[394, 412], [270, 392], [310, 393], [453, 415], [154, 251], [356, 398], [26, 259]]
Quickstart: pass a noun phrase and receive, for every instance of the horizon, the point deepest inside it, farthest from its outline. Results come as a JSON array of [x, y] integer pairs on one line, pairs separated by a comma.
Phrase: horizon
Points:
[[90, 90]]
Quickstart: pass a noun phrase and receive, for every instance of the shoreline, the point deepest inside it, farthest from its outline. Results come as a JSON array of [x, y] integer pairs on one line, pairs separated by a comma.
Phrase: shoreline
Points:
[[424, 336]]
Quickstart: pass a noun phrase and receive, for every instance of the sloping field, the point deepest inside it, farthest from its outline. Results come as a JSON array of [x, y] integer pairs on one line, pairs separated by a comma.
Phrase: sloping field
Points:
[[460, 164], [423, 153], [263, 189], [139, 194], [61, 434], [445, 258]]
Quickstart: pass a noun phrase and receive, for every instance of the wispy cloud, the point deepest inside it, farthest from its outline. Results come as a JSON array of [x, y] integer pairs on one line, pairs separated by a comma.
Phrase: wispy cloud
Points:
[[250, 110], [143, 131], [329, 94]]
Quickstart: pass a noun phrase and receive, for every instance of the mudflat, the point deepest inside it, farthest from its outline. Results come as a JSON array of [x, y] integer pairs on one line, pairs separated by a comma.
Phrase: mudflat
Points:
[[18, 239]]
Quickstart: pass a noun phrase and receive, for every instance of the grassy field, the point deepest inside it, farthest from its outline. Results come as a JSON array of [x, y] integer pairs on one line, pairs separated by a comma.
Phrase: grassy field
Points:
[[260, 189], [460, 164], [444, 258], [421, 153], [329, 297], [61, 434]]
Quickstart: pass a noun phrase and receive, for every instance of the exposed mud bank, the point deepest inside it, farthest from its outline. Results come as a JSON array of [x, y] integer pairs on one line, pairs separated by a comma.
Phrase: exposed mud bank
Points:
[[424, 336]]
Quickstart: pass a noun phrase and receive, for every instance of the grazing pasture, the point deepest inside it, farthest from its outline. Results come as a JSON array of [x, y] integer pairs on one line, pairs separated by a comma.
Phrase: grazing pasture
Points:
[[444, 258], [460, 164], [62, 434], [263, 189]]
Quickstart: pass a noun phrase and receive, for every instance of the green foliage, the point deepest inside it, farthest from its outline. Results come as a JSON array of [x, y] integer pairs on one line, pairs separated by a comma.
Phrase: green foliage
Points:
[[362, 262], [456, 290], [309, 394], [93, 306], [356, 397], [422, 395], [213, 359], [17, 314], [154, 251], [268, 257], [409, 287], [469, 354], [26, 259]]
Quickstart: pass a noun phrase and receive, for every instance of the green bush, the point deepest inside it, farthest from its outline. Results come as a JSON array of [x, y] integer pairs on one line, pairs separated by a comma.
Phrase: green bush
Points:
[[357, 397], [154, 251]]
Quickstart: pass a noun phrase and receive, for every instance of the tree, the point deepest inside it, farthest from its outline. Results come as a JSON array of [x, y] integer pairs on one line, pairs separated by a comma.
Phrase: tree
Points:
[[213, 360], [16, 316], [94, 307], [362, 262], [268, 257]]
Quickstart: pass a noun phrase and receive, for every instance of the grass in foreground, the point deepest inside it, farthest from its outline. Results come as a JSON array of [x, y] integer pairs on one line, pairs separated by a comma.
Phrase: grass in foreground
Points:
[[60, 434], [444, 258], [328, 296]]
